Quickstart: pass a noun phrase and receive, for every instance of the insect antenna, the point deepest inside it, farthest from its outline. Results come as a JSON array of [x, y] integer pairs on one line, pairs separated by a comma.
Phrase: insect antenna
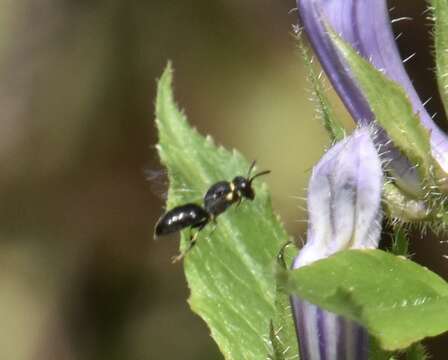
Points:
[[251, 167], [259, 174]]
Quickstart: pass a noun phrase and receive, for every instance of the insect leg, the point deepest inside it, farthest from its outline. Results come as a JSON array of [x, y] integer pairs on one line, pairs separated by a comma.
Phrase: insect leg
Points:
[[193, 239], [215, 224], [240, 198]]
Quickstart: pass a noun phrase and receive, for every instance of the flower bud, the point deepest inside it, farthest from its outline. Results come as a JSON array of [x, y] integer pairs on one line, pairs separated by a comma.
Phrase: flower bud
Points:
[[344, 205]]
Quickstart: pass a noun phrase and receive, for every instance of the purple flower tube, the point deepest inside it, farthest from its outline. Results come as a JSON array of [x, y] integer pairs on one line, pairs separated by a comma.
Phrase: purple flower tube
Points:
[[344, 205], [365, 25]]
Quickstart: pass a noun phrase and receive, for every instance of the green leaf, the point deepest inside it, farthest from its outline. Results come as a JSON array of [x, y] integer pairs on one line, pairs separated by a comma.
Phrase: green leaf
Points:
[[440, 17], [323, 106], [392, 109], [395, 299], [230, 271]]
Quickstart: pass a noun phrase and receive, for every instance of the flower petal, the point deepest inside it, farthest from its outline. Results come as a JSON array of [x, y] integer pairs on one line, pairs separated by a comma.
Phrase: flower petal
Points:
[[326, 336], [366, 26], [344, 197]]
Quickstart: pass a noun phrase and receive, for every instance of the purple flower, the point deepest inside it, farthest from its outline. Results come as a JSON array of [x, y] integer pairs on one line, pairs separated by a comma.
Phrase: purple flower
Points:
[[365, 25], [344, 205]]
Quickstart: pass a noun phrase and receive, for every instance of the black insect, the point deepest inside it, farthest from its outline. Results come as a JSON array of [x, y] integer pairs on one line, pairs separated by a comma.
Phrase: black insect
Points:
[[218, 198]]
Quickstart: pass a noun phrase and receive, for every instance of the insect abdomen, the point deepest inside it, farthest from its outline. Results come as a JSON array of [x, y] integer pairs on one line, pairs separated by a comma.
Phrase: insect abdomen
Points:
[[179, 218]]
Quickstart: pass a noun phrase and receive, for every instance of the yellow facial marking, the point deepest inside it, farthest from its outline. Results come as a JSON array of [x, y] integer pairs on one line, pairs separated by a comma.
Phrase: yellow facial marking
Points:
[[229, 196], [232, 187]]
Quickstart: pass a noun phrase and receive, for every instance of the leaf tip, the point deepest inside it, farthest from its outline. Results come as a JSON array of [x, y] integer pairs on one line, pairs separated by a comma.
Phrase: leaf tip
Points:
[[167, 74]]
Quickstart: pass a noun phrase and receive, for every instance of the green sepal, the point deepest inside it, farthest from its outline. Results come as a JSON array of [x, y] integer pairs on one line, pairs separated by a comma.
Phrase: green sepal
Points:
[[393, 111], [400, 243], [439, 10], [324, 109], [283, 334], [403, 208], [417, 352]]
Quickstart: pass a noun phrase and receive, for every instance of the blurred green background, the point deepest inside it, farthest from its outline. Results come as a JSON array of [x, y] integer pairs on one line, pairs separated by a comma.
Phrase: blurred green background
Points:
[[80, 275]]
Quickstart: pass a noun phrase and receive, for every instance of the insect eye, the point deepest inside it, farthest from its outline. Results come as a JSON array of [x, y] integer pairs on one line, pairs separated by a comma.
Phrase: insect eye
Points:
[[242, 185]]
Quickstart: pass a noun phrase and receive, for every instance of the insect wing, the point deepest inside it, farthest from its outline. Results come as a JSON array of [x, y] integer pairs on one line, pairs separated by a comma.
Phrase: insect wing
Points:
[[159, 184]]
